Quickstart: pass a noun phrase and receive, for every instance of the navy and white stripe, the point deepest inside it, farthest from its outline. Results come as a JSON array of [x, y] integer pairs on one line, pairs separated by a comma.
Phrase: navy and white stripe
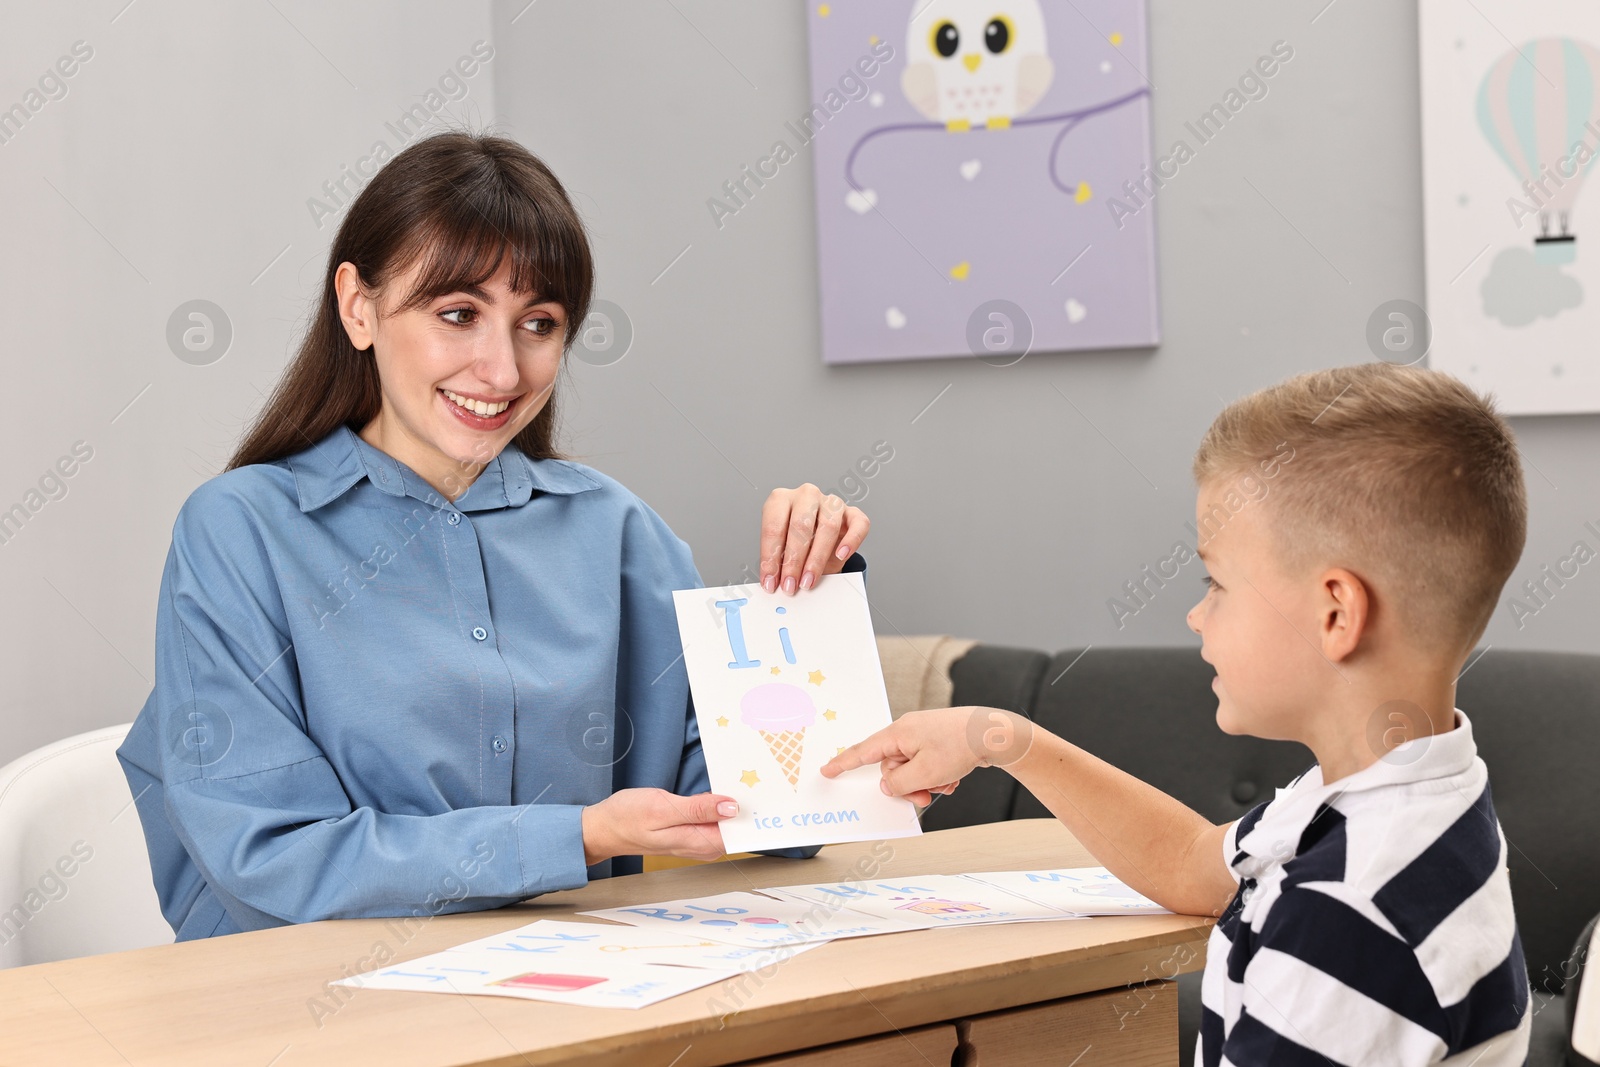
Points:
[[1373, 922]]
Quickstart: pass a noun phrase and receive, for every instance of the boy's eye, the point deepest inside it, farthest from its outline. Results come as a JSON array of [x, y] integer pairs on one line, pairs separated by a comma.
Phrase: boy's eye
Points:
[[1211, 583]]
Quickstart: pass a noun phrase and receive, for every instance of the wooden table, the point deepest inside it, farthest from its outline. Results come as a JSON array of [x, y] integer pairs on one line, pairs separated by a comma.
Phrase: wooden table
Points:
[[261, 999]]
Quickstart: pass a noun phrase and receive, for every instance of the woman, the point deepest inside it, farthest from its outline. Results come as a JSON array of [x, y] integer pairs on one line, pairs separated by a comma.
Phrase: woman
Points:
[[410, 661]]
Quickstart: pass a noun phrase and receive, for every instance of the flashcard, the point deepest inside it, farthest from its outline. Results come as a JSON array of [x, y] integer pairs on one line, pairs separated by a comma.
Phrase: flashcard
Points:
[[927, 901], [754, 921], [587, 980], [1084, 890], [551, 939], [781, 684]]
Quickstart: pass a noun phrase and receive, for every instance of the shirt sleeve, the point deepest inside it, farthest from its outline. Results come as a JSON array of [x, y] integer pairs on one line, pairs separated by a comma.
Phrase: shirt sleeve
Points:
[[253, 798]]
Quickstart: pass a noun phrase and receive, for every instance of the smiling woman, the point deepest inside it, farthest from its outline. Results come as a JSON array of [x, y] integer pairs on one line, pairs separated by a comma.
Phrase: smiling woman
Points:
[[506, 695], [439, 222]]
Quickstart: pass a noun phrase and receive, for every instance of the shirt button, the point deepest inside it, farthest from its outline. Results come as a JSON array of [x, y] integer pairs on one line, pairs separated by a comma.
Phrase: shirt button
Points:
[[498, 744], [480, 633], [454, 518]]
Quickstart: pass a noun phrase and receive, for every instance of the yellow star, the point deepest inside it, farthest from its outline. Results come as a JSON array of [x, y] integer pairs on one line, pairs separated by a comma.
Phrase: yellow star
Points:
[[830, 715], [838, 750], [1116, 39], [749, 778], [816, 678], [776, 670], [722, 720]]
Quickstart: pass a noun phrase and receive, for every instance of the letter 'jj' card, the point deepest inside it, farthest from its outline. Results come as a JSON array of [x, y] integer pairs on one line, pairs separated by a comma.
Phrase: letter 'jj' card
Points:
[[781, 684]]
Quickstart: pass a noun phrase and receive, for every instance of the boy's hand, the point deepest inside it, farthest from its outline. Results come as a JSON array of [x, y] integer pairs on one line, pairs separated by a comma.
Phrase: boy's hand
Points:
[[927, 752]]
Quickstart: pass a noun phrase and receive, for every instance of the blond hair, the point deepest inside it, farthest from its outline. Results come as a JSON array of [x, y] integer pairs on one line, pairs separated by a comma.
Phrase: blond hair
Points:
[[1403, 475]]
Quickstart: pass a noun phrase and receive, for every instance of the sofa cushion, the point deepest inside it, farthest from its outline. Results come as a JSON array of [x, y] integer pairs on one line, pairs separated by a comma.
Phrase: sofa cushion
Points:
[[1152, 713], [1536, 718]]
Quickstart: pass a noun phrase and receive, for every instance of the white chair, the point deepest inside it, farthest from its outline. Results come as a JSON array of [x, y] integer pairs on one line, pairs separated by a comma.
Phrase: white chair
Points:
[[74, 872]]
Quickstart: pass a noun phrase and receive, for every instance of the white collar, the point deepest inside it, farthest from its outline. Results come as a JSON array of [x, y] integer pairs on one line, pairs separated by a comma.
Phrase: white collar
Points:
[[1276, 835]]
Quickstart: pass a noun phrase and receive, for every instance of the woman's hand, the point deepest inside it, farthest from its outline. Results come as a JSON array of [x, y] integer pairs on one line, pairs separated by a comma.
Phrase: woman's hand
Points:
[[805, 535], [654, 822], [927, 752]]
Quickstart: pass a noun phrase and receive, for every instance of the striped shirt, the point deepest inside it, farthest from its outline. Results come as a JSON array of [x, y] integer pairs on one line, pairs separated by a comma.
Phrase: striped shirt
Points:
[[1373, 922]]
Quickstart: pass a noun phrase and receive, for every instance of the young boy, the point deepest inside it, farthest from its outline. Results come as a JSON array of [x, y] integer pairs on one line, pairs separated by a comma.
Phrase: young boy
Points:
[[1370, 917]]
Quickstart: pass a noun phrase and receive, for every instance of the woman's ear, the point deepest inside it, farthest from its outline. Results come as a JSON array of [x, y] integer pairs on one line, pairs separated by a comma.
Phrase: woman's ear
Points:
[[357, 308], [1342, 614]]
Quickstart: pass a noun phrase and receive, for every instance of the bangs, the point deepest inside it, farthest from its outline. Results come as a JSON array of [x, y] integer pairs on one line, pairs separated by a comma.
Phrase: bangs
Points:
[[468, 236]]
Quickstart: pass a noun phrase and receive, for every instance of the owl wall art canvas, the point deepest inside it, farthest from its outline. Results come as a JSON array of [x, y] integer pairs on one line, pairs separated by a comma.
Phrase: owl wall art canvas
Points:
[[984, 177]]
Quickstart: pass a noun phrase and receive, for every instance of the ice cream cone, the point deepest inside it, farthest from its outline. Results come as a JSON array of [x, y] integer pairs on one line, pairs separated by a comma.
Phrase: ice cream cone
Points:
[[787, 748], [780, 713]]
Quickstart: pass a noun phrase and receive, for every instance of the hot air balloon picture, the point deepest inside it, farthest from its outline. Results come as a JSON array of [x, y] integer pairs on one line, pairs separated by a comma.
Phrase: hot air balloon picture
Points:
[[1510, 133], [1537, 108]]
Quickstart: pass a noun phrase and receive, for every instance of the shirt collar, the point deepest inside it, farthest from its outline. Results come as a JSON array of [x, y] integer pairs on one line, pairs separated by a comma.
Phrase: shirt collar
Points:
[[329, 468], [1276, 834]]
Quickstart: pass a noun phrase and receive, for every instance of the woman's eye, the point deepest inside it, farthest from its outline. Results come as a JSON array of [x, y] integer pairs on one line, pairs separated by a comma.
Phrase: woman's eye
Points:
[[456, 311], [543, 327]]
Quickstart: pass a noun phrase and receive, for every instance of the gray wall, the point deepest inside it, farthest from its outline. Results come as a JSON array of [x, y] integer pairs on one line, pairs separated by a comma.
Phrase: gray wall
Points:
[[178, 167], [1005, 514]]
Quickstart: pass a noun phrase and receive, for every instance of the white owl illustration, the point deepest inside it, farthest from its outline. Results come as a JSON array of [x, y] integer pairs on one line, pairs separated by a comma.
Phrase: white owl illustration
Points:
[[976, 62]]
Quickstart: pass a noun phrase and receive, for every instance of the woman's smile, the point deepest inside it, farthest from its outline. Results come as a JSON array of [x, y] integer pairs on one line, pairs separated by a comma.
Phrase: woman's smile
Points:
[[477, 413]]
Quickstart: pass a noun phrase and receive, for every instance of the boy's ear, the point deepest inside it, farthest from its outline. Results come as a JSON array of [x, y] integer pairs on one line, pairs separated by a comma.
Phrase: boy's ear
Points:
[[1342, 614]]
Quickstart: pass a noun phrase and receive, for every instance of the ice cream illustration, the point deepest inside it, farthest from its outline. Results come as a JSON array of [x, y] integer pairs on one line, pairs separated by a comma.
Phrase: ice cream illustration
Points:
[[780, 712]]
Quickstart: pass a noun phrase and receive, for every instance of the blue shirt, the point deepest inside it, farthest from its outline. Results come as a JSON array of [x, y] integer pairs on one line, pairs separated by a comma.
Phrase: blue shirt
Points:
[[370, 701]]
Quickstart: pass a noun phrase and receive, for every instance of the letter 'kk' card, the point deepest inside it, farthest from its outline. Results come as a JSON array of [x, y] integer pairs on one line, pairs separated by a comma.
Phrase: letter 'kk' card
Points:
[[781, 684]]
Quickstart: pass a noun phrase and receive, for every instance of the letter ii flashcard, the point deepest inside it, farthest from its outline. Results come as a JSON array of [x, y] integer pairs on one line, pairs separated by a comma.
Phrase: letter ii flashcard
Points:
[[781, 684]]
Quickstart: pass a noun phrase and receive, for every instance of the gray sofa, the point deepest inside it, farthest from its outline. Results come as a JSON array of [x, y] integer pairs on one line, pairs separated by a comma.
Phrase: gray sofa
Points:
[[1536, 717]]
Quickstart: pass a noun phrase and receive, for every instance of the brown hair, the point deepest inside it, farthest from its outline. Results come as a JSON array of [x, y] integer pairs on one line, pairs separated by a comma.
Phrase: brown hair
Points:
[[1404, 475], [459, 201]]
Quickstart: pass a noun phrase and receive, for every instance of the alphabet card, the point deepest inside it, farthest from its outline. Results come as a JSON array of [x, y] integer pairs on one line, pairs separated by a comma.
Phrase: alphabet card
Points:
[[754, 920], [781, 684], [563, 968], [1083, 890], [927, 901], [552, 938]]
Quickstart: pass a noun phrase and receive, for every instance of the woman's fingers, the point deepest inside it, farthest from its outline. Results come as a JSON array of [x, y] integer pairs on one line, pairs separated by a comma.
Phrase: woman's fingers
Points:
[[829, 525], [854, 525], [689, 826], [774, 532], [699, 809], [805, 535], [804, 505]]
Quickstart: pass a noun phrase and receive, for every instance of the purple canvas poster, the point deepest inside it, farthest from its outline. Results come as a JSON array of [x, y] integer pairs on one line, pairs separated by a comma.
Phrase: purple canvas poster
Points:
[[982, 177]]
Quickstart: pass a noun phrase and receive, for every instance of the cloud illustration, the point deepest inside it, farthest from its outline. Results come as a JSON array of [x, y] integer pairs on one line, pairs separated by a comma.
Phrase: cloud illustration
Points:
[[1520, 290]]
